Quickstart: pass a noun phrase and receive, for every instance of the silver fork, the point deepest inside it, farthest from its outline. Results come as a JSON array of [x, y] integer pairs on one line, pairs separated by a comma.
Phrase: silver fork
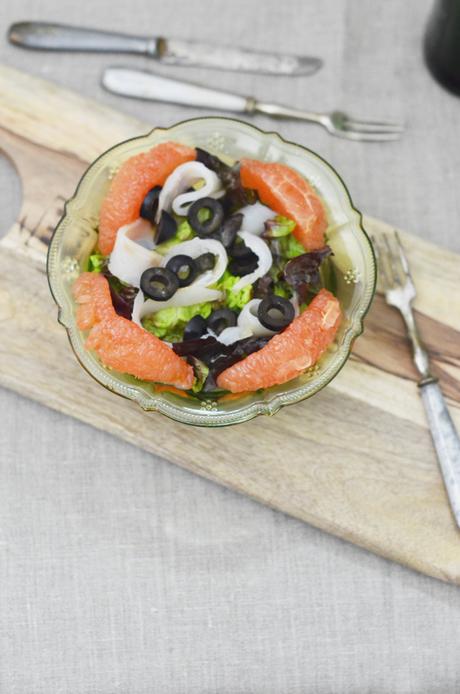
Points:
[[337, 123], [400, 292], [142, 84]]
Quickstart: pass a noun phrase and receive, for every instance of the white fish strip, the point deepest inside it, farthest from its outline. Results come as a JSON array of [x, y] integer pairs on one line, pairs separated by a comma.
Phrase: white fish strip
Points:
[[255, 216], [233, 334], [196, 247], [173, 197], [295, 303], [261, 249], [248, 320], [130, 258], [137, 306]]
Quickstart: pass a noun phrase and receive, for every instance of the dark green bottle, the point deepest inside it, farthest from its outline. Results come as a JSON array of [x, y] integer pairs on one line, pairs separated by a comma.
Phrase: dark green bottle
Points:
[[442, 44]]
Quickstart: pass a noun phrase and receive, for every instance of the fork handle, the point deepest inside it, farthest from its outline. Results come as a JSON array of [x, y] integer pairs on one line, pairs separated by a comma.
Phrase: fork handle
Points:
[[446, 440], [141, 84], [146, 85], [280, 111]]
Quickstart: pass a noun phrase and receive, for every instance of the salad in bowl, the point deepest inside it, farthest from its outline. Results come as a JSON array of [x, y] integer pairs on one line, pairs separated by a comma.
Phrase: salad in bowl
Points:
[[216, 282]]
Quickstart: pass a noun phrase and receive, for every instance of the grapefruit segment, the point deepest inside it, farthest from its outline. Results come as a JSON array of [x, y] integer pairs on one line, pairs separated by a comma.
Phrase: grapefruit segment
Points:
[[124, 346], [286, 192], [94, 303], [130, 185], [120, 343], [289, 353]]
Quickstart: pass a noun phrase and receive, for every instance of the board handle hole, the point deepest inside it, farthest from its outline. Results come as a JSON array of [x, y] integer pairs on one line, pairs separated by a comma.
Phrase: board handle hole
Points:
[[10, 193]]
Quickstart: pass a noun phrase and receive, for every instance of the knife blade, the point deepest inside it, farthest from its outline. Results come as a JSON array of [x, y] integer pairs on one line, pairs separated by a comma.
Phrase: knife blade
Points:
[[61, 37]]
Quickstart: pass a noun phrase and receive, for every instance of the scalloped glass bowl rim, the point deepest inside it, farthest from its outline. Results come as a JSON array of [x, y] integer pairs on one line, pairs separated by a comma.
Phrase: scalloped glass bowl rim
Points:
[[156, 402]]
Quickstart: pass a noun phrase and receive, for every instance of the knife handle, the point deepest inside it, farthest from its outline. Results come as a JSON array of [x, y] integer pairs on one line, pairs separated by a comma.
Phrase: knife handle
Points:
[[61, 37], [146, 85], [446, 441]]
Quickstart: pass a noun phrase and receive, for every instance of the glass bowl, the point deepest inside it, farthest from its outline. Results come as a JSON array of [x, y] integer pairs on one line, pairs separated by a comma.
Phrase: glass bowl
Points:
[[353, 267]]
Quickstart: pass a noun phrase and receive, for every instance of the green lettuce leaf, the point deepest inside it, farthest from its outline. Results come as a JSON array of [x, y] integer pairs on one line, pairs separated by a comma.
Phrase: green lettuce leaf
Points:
[[279, 227], [201, 372], [204, 214], [282, 289], [279, 234], [169, 323], [235, 300], [290, 247], [96, 262]]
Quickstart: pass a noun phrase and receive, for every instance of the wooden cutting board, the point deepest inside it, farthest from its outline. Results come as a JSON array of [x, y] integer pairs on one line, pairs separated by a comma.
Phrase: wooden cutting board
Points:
[[355, 460]]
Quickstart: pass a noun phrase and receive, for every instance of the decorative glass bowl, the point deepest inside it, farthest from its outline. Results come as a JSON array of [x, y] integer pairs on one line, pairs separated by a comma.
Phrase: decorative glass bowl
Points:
[[353, 267]]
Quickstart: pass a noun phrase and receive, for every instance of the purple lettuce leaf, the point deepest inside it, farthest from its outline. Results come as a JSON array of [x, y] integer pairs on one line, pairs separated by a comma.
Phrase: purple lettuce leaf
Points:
[[216, 355], [122, 294], [303, 272], [235, 196]]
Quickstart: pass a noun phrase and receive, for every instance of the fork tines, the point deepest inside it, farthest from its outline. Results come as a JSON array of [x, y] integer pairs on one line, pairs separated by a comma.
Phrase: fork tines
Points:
[[393, 262], [355, 129], [373, 126]]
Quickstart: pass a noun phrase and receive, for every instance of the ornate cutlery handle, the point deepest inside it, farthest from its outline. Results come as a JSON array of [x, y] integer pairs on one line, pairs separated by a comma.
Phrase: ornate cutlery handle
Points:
[[58, 37], [445, 439], [146, 85]]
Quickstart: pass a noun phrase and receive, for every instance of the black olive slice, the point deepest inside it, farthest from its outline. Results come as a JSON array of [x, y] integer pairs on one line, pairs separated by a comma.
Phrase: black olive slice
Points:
[[195, 328], [205, 262], [275, 312], [184, 267], [239, 250], [209, 226], [159, 283], [229, 230], [220, 319], [149, 206], [244, 266], [166, 228]]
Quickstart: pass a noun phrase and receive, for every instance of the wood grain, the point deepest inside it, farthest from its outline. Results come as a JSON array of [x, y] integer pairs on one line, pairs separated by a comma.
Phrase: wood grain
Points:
[[357, 458]]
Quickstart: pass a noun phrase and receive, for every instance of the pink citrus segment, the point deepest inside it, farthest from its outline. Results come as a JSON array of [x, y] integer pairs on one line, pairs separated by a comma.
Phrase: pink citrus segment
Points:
[[132, 182], [288, 354], [120, 343], [288, 194], [126, 347], [94, 303]]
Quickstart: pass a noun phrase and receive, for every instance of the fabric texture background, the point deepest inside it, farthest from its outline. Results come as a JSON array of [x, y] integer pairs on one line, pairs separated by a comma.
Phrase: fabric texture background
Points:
[[120, 572]]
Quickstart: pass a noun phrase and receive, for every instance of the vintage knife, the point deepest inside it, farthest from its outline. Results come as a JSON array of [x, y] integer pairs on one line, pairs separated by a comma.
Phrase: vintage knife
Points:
[[60, 37]]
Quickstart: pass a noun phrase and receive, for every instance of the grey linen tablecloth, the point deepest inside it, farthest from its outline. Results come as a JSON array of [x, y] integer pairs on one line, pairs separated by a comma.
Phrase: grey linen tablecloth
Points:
[[122, 573]]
